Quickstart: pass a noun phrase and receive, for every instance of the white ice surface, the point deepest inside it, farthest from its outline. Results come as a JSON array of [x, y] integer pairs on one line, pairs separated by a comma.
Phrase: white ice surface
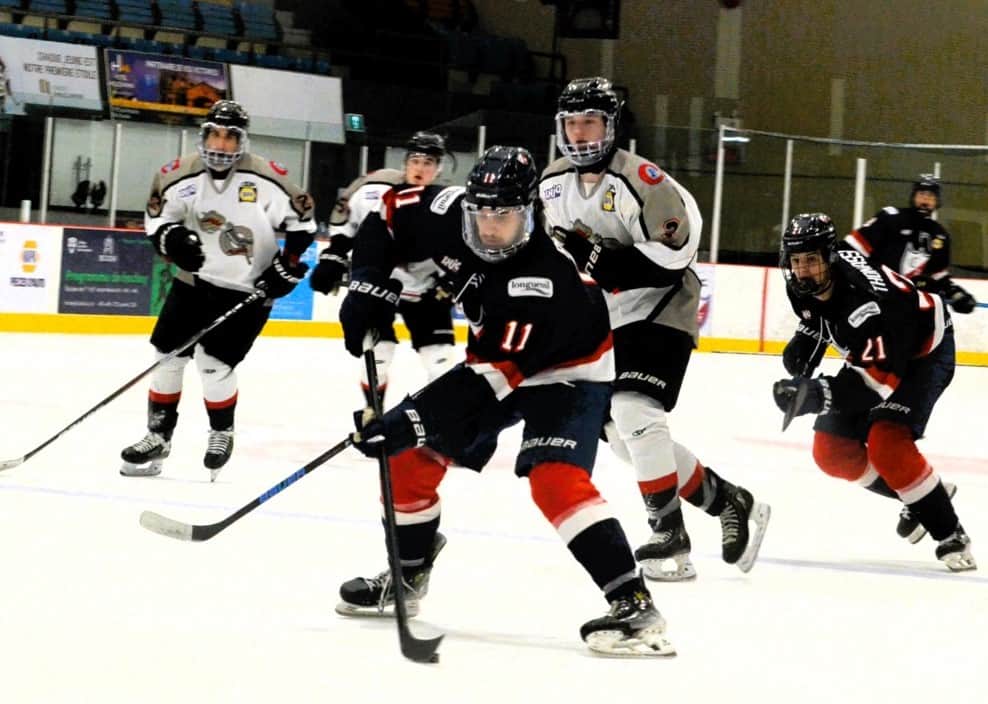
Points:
[[95, 609]]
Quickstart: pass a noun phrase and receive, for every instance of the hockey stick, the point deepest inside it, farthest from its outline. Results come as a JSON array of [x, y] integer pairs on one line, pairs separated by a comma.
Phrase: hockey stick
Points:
[[169, 527], [257, 295], [416, 649], [796, 402]]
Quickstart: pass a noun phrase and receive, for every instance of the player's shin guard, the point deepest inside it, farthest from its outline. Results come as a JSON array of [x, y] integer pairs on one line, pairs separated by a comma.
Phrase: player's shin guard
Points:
[[384, 354], [415, 475]]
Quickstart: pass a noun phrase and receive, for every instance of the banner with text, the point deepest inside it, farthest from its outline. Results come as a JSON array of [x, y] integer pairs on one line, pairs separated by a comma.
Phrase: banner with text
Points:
[[35, 72], [110, 272], [159, 88], [29, 263]]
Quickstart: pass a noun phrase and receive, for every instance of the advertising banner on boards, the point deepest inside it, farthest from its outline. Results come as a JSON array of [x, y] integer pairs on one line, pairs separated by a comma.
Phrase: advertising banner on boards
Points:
[[51, 74]]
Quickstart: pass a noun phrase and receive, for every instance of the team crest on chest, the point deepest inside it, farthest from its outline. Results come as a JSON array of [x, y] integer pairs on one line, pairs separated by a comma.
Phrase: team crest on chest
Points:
[[247, 192], [607, 204], [210, 221]]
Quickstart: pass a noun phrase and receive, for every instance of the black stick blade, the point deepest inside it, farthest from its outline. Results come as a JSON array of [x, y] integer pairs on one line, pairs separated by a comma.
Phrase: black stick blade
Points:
[[794, 405], [424, 650]]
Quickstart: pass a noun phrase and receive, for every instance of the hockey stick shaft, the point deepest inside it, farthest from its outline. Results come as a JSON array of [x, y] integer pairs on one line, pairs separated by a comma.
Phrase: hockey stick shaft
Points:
[[257, 295], [169, 527], [416, 649]]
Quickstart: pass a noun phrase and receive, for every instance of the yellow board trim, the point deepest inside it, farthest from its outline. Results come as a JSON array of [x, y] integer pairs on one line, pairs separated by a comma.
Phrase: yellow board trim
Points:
[[136, 325]]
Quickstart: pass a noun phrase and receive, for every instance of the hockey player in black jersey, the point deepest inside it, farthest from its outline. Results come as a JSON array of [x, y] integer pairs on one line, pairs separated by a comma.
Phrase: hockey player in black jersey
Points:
[[540, 353], [427, 316], [909, 241], [898, 347]]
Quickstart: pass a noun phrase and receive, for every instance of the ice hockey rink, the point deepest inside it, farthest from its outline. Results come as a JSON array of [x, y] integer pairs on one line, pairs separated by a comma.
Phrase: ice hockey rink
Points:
[[93, 608]]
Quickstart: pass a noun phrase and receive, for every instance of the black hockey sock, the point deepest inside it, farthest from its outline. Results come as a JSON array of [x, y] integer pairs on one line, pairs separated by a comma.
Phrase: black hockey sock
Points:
[[936, 512], [882, 489], [415, 543], [604, 552], [711, 495], [162, 417], [221, 418], [661, 506]]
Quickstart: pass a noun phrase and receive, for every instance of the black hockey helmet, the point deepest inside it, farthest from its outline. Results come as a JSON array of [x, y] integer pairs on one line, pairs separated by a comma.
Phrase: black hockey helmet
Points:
[[498, 208], [588, 96], [808, 232], [428, 143], [232, 116], [928, 183]]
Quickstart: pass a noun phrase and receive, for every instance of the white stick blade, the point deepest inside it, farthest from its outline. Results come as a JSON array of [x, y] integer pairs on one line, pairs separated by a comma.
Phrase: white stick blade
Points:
[[162, 525], [8, 464]]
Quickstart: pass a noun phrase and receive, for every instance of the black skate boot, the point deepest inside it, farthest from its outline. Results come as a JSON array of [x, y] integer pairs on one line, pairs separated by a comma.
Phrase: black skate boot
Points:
[[374, 596], [909, 526], [218, 451], [739, 545], [632, 627], [955, 551], [144, 458], [666, 555]]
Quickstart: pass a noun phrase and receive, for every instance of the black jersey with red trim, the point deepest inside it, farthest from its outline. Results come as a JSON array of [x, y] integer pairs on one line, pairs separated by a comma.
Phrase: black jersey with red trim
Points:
[[533, 318], [539, 321], [909, 242], [878, 321]]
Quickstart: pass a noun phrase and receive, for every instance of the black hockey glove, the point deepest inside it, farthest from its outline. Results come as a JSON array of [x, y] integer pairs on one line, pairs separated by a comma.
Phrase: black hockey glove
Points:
[[281, 277], [329, 272], [815, 398], [577, 244], [960, 300], [181, 245], [803, 352], [395, 431], [369, 305]]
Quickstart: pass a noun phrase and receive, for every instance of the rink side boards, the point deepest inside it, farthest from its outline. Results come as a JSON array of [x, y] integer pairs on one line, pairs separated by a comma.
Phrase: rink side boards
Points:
[[744, 308]]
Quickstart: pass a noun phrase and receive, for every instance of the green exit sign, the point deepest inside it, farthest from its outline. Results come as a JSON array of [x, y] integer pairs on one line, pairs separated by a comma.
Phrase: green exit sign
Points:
[[354, 122]]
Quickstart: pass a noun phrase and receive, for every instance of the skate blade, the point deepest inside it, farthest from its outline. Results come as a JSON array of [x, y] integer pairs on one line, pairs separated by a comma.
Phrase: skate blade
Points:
[[760, 514], [152, 469], [355, 611], [213, 473], [960, 562], [680, 570], [615, 644]]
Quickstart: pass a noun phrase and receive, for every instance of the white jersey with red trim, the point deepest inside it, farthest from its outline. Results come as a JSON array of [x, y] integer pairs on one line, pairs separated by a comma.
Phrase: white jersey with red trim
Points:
[[238, 218], [639, 208], [361, 198]]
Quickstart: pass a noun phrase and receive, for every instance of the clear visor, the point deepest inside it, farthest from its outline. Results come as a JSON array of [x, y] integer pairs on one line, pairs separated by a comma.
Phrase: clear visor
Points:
[[218, 159], [584, 153], [495, 234]]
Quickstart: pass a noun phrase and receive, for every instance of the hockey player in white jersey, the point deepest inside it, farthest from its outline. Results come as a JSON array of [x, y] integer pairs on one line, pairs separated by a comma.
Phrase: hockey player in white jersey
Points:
[[427, 316], [631, 227], [217, 215]]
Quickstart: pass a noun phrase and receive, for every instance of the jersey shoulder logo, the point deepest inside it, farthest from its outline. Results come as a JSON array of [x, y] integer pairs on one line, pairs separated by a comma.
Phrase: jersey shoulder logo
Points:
[[607, 204], [938, 242], [891, 210], [279, 169], [862, 313], [538, 286], [651, 174], [170, 166], [247, 192], [440, 204], [552, 191]]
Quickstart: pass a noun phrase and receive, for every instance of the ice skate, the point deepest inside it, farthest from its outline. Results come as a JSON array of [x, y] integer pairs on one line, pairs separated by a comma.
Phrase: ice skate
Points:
[[218, 451], [145, 457], [909, 526], [955, 552], [374, 596], [632, 628], [739, 543], [666, 555]]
